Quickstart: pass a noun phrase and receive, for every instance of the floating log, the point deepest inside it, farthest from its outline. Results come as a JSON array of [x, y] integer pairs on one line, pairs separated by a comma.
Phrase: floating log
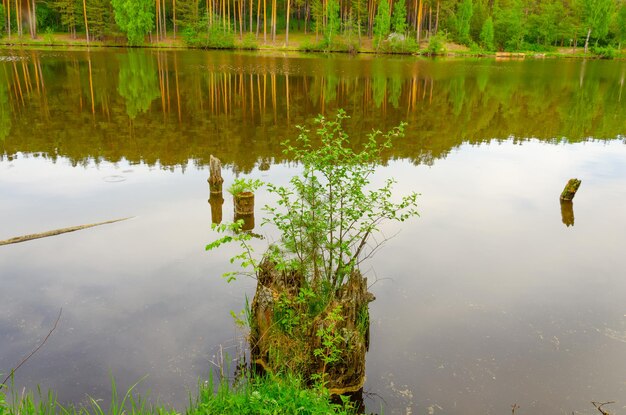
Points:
[[216, 201], [570, 189], [215, 175], [55, 232], [567, 212]]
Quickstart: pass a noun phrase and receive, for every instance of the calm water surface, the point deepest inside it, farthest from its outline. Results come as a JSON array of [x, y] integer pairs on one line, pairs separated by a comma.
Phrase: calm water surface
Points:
[[488, 299]]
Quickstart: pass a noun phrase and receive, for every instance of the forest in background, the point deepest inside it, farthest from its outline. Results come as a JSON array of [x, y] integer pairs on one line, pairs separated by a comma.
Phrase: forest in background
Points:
[[390, 25]]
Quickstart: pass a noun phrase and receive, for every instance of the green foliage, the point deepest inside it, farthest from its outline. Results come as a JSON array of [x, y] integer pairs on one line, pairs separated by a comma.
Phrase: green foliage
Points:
[[597, 15], [462, 21], [398, 17], [135, 18], [397, 43], [69, 12], [219, 38], [333, 22], [244, 185], [5, 112], [3, 20], [332, 341], [437, 44], [382, 22], [138, 81], [245, 258], [620, 23], [337, 44], [30, 403], [285, 394], [328, 213], [486, 35], [326, 216], [605, 52], [249, 42], [187, 14], [509, 25], [100, 17]]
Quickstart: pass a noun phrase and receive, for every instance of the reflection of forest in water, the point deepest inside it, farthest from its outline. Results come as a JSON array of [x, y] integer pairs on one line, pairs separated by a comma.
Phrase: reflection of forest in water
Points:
[[169, 107]]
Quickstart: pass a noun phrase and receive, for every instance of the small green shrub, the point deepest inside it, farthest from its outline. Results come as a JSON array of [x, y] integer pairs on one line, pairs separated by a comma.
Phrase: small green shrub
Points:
[[285, 394], [437, 44], [396, 43], [605, 52], [48, 35], [244, 185], [337, 44], [249, 42], [214, 37]]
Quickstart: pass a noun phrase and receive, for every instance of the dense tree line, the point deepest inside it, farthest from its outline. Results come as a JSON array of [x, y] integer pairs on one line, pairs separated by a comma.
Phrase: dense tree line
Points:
[[489, 24]]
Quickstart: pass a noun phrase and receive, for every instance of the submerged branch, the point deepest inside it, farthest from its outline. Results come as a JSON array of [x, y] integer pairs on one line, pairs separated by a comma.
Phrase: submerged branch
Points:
[[24, 360], [55, 232]]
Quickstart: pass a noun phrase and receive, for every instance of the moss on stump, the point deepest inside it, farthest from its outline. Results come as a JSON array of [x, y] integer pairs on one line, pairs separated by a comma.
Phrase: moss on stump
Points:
[[286, 320]]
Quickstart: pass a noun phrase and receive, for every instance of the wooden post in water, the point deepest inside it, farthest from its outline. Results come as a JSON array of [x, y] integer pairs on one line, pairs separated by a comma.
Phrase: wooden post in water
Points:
[[215, 175], [216, 200], [570, 189]]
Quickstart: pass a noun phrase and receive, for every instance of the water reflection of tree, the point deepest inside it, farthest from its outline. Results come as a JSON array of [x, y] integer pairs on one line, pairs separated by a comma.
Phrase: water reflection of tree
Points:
[[138, 81], [5, 112], [221, 106]]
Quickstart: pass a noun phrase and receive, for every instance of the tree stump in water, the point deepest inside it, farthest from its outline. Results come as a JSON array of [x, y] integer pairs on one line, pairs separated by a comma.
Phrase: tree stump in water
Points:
[[287, 318], [215, 175], [244, 203], [570, 189]]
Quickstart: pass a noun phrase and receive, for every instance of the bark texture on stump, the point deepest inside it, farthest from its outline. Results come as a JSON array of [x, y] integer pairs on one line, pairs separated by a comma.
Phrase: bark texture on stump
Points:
[[215, 175], [570, 189], [244, 203], [284, 332]]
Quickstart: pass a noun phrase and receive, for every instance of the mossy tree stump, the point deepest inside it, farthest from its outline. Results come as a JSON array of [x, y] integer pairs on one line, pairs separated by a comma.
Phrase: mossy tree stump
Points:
[[570, 189], [288, 316]]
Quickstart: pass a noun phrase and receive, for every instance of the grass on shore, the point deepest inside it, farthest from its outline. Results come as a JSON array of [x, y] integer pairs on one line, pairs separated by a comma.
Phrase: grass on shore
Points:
[[258, 395], [300, 41]]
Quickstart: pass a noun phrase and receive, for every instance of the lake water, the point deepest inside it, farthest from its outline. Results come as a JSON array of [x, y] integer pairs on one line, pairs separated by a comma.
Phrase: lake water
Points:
[[491, 298]]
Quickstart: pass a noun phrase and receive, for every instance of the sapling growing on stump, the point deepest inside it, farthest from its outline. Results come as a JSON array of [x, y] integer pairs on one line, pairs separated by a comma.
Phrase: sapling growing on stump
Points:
[[310, 312]]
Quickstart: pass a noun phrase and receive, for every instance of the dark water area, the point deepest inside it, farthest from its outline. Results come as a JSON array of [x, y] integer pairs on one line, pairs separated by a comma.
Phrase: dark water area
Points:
[[497, 295]]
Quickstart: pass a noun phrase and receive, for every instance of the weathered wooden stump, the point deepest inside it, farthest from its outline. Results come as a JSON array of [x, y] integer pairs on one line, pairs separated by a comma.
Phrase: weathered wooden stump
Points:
[[215, 175], [216, 200], [567, 212], [286, 324], [244, 203], [570, 189]]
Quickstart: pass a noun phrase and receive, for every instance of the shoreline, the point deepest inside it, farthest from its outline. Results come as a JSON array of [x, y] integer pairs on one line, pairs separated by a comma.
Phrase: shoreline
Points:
[[451, 49]]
